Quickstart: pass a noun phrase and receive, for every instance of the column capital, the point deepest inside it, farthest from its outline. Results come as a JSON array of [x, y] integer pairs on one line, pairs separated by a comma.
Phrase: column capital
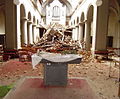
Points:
[[87, 21], [24, 18], [34, 25], [73, 27], [77, 26], [30, 22], [16, 2], [99, 2], [37, 26], [81, 23]]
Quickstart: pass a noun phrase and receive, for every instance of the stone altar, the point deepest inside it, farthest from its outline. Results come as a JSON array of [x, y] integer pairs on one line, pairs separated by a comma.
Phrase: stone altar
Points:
[[56, 67]]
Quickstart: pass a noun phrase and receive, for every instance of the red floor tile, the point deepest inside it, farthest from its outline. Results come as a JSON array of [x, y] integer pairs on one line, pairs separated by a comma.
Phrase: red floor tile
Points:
[[33, 88]]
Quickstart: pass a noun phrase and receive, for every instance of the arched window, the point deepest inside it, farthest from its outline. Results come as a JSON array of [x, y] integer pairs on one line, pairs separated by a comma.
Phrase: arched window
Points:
[[56, 11]]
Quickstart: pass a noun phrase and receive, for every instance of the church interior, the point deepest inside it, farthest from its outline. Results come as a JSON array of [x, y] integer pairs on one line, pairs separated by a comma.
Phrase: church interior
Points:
[[87, 29]]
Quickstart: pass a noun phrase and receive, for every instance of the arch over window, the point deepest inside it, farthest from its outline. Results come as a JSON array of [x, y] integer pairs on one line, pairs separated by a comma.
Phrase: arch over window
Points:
[[56, 11], [29, 16], [34, 19], [90, 13], [37, 21], [82, 18], [74, 22], [22, 11], [77, 20]]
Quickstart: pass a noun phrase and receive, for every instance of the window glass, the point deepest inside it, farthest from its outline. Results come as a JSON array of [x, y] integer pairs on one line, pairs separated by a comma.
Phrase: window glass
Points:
[[56, 11]]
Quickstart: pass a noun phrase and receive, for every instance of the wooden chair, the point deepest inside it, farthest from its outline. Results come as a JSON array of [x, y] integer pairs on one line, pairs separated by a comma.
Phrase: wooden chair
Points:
[[1, 51], [12, 53], [103, 54]]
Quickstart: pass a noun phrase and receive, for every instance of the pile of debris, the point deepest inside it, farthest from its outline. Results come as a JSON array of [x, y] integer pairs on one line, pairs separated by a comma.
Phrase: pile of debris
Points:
[[55, 41]]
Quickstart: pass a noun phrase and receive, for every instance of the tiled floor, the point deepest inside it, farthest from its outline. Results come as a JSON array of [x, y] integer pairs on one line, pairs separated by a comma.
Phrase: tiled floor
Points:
[[33, 88]]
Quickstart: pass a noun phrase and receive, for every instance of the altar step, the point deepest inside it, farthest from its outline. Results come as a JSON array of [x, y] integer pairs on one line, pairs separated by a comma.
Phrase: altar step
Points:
[[33, 88]]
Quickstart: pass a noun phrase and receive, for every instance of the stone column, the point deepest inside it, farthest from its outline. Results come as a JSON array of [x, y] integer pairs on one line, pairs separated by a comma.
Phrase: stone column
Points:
[[100, 24], [73, 34], [30, 40], [87, 35], [116, 40], [10, 25], [18, 27], [34, 32], [24, 31], [80, 32], [37, 33], [77, 30]]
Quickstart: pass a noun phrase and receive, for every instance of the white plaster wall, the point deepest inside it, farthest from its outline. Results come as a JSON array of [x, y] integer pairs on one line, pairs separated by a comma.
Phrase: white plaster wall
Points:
[[84, 6], [39, 6], [2, 23], [30, 8], [74, 3]]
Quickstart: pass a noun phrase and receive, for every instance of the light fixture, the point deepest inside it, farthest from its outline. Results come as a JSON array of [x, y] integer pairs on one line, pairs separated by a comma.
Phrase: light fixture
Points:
[[16, 2], [99, 2]]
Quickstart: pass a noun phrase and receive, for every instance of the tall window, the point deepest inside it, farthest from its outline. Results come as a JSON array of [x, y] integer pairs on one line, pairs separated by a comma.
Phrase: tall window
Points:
[[56, 11], [109, 41]]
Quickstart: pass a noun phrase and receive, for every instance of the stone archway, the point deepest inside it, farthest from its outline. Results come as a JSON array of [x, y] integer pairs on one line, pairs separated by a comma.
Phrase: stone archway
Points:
[[82, 18], [23, 25], [29, 16]]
